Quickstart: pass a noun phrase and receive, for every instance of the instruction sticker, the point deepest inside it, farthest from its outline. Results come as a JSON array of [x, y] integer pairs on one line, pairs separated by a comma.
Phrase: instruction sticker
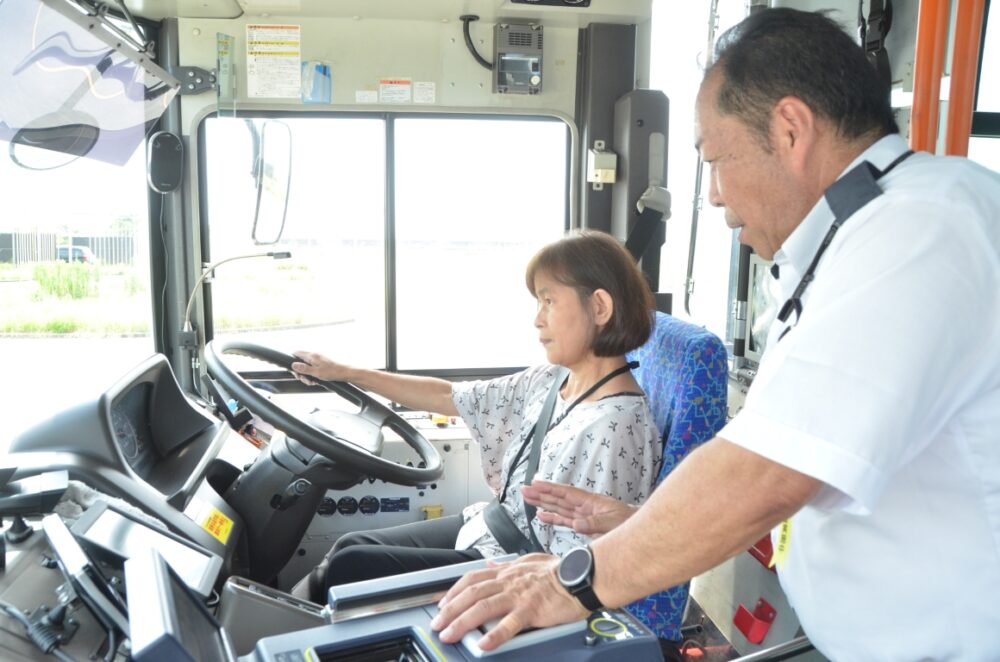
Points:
[[424, 91], [274, 56]]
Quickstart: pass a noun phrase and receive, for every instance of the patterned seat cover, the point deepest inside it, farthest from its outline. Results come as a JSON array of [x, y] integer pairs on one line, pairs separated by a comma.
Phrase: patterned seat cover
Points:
[[682, 369]]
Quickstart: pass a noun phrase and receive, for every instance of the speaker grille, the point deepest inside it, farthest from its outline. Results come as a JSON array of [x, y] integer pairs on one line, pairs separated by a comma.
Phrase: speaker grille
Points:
[[519, 39]]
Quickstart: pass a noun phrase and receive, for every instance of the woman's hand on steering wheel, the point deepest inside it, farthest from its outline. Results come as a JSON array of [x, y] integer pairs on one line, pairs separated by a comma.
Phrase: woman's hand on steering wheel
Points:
[[312, 364]]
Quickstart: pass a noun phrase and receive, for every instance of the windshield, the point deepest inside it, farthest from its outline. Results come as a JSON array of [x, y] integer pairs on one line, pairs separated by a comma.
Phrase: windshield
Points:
[[409, 238]]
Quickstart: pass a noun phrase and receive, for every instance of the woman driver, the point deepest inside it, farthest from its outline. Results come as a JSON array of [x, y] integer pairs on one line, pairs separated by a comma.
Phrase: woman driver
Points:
[[593, 307]]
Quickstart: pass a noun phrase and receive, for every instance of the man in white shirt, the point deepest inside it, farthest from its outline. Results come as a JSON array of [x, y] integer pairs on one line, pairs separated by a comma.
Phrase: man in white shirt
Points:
[[870, 440]]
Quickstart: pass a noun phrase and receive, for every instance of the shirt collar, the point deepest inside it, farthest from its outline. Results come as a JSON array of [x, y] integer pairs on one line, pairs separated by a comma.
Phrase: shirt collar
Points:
[[797, 251]]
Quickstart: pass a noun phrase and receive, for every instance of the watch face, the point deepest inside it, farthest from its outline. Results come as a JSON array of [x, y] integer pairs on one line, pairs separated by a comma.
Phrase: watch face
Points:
[[575, 566]]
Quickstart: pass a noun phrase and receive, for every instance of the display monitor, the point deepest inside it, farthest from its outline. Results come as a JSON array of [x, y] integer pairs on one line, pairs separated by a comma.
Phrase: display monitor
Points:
[[169, 621], [761, 308], [113, 535]]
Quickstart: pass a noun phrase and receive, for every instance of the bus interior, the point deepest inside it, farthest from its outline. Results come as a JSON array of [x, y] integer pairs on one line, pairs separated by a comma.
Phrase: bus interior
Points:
[[194, 190]]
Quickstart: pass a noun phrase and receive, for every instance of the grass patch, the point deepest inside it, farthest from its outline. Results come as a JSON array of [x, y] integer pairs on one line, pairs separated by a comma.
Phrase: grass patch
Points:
[[117, 300], [65, 280]]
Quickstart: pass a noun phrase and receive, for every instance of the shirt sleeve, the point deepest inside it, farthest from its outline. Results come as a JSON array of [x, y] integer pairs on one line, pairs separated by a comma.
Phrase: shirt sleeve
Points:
[[881, 358], [496, 411]]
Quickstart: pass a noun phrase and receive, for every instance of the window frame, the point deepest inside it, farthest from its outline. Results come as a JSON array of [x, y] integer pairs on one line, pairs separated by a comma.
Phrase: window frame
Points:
[[389, 222]]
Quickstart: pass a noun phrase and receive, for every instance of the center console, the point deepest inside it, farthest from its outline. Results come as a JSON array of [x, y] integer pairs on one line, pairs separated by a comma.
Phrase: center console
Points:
[[385, 619]]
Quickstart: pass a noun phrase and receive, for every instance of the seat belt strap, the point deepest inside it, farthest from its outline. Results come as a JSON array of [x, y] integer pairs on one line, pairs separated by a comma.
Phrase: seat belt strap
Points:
[[498, 520], [642, 233]]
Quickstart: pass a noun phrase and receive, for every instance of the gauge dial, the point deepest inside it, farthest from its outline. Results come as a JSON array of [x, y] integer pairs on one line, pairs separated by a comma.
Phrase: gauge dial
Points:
[[125, 435]]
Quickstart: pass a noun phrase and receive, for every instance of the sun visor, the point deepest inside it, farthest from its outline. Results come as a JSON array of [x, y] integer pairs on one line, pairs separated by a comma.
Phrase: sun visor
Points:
[[71, 86]]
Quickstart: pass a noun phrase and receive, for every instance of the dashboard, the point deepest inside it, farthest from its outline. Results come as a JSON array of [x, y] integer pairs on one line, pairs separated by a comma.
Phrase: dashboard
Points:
[[159, 433]]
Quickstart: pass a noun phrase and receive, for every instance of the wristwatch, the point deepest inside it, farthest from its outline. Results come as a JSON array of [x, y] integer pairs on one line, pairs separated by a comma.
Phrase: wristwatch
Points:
[[576, 574]]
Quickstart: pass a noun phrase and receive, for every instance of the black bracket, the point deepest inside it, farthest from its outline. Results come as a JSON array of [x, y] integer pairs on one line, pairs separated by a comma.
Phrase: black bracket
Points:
[[195, 80]]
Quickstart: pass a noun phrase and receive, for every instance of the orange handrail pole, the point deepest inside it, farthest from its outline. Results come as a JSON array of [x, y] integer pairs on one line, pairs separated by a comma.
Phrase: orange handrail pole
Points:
[[964, 61], [928, 65]]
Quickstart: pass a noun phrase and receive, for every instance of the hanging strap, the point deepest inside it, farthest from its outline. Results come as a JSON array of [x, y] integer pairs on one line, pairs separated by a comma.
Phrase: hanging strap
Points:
[[845, 197], [654, 208], [872, 34]]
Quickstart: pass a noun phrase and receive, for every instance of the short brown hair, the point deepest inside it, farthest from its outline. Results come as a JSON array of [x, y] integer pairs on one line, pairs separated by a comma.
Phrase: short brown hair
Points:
[[588, 260]]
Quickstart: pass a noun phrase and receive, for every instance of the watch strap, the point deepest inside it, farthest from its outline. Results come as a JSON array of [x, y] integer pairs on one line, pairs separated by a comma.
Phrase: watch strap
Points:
[[583, 589], [585, 594]]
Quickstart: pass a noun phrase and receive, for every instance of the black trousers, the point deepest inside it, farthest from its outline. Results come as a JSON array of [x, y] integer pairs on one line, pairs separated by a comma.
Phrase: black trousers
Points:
[[383, 552]]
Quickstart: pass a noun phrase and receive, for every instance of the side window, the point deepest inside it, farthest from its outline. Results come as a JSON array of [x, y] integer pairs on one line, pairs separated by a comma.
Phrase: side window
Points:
[[74, 283], [679, 51], [984, 145], [988, 95], [409, 236]]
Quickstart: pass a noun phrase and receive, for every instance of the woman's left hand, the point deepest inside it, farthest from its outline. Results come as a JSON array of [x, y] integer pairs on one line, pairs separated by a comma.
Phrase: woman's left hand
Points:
[[584, 512]]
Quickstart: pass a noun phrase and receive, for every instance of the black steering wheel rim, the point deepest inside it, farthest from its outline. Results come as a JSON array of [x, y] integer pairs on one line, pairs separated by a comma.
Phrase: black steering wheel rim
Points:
[[341, 451]]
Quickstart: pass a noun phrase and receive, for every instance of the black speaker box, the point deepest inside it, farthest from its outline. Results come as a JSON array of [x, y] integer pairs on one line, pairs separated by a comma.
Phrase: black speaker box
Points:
[[164, 161]]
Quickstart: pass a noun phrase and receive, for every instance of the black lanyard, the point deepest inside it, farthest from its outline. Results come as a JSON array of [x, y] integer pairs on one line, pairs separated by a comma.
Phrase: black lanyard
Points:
[[846, 197], [631, 365]]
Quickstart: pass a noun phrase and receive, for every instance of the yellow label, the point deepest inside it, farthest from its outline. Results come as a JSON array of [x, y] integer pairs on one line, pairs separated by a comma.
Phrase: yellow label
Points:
[[780, 553], [218, 525], [432, 512]]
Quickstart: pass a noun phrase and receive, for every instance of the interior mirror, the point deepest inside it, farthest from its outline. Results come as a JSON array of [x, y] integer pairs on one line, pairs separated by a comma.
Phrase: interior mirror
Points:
[[52, 146], [75, 85], [274, 176]]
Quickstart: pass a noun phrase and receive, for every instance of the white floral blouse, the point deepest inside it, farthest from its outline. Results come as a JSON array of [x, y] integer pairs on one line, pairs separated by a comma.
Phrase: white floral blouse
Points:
[[610, 446]]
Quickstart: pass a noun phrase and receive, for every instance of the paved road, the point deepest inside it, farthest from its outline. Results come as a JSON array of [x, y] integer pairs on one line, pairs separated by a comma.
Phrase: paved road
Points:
[[39, 376]]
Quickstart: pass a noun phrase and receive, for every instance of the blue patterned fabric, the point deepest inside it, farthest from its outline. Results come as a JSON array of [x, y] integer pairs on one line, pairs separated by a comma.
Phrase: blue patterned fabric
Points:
[[682, 369]]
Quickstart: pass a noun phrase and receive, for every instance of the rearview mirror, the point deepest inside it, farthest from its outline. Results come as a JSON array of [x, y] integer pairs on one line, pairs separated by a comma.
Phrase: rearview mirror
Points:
[[274, 177], [52, 147]]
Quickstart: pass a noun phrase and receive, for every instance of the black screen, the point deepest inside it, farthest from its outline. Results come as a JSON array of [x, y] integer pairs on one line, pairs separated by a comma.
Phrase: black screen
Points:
[[198, 633]]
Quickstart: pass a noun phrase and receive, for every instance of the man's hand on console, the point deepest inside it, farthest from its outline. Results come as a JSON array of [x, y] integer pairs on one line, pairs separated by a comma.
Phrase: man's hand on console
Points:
[[524, 593], [584, 512]]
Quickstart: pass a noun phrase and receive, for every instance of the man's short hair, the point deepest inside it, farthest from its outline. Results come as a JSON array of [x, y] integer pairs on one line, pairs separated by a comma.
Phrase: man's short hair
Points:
[[782, 52], [588, 260]]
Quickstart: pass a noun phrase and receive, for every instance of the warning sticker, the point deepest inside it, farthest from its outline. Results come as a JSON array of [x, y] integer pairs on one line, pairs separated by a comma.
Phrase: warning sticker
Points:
[[218, 525], [211, 519], [395, 90]]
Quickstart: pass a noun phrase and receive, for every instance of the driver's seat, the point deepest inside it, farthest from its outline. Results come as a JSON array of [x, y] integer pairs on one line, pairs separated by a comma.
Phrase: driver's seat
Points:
[[683, 370]]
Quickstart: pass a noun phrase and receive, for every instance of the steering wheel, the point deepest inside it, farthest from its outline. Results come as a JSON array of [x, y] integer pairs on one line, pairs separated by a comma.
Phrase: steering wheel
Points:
[[369, 421]]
